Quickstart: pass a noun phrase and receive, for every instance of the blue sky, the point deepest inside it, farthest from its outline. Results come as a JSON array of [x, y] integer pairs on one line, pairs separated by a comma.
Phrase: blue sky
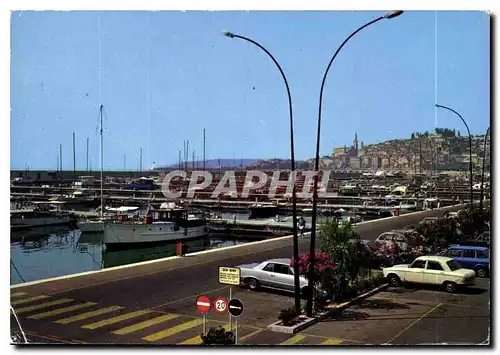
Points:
[[164, 76]]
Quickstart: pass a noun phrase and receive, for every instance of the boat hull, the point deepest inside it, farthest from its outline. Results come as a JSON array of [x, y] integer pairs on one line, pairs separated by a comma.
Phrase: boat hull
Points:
[[91, 227], [134, 234], [263, 212], [38, 219]]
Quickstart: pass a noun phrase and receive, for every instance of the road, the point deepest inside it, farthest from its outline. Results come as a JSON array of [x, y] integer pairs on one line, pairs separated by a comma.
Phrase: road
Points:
[[155, 302]]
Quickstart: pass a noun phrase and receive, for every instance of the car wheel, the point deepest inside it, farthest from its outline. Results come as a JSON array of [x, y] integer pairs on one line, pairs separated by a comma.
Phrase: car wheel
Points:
[[481, 272], [450, 287], [394, 280], [253, 284]]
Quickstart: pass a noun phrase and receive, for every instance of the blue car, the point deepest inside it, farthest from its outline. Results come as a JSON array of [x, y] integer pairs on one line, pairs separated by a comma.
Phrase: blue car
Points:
[[476, 258]]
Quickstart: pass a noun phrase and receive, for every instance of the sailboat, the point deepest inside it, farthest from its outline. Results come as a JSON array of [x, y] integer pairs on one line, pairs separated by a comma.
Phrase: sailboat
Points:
[[96, 225]]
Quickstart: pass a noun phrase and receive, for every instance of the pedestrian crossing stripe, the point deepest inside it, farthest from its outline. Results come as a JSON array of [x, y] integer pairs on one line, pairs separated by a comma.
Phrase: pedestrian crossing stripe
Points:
[[17, 294], [294, 340], [61, 310], [145, 324], [197, 339], [88, 315], [42, 305], [28, 300], [331, 342], [116, 319], [174, 330]]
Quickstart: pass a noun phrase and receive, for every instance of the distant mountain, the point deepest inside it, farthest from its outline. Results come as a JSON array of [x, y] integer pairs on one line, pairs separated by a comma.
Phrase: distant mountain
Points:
[[225, 163]]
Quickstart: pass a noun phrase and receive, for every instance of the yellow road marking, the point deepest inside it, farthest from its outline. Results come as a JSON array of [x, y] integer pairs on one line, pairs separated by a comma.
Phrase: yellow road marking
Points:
[[197, 339], [61, 310], [414, 322], [88, 315], [17, 294], [294, 340], [116, 319], [28, 300], [331, 342], [171, 331], [250, 335], [145, 324], [42, 305]]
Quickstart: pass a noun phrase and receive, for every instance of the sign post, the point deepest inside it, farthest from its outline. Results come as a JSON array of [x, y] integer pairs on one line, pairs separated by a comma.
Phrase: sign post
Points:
[[203, 305], [229, 276], [235, 309]]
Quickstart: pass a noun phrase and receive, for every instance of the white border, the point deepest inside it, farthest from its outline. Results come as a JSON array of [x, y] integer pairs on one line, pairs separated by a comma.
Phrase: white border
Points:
[[186, 5]]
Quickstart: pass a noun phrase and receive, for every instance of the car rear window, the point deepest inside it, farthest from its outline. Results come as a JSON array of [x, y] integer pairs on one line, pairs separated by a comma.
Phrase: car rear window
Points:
[[453, 265]]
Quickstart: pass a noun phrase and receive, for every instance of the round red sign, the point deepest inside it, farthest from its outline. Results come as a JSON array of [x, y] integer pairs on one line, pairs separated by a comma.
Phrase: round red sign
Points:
[[203, 304], [220, 305]]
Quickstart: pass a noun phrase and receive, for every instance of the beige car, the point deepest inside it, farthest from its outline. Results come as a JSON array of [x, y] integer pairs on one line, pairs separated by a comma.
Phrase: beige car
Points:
[[432, 270]]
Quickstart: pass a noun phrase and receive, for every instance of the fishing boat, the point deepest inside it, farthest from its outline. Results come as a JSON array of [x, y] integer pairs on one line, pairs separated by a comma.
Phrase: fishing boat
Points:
[[169, 222]]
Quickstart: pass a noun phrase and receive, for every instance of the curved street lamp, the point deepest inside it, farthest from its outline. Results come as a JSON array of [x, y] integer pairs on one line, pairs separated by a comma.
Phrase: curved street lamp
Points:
[[312, 249], [292, 158], [482, 172], [470, 151]]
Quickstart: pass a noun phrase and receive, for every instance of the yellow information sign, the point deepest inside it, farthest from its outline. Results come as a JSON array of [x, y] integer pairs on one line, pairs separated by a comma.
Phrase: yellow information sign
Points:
[[229, 275]]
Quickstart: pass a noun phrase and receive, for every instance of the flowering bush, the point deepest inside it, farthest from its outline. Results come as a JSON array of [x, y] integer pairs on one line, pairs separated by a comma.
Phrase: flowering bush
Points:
[[322, 264]]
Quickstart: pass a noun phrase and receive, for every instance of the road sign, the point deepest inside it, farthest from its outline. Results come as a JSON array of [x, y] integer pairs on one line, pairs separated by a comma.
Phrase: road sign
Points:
[[203, 304], [229, 275], [235, 307], [220, 305]]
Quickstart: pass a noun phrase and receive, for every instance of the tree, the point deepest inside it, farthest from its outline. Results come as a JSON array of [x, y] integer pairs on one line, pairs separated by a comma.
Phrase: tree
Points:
[[338, 241]]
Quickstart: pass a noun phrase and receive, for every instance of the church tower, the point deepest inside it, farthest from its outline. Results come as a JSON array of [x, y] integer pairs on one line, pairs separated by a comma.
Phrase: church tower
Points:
[[356, 146]]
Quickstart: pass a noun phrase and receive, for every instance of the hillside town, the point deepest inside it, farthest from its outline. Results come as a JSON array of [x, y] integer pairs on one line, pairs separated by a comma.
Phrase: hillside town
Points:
[[428, 152]]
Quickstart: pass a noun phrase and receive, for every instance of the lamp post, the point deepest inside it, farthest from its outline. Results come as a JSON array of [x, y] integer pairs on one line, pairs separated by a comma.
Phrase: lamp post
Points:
[[312, 249], [292, 158], [482, 172], [470, 151]]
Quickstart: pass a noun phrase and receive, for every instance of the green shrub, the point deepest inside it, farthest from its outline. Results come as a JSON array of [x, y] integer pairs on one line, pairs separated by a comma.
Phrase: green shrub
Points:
[[218, 336], [287, 315]]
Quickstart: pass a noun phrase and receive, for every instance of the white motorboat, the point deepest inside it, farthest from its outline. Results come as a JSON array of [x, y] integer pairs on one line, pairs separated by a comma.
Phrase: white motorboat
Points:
[[40, 215]]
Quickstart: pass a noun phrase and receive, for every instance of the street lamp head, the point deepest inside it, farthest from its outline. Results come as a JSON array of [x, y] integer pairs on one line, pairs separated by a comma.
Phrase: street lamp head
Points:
[[392, 14], [228, 34]]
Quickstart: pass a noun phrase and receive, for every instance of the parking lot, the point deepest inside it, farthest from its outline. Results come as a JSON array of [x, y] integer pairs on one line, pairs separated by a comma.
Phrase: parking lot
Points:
[[414, 315]]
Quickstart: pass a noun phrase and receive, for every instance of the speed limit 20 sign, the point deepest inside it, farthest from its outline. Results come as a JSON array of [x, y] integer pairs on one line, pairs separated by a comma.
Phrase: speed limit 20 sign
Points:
[[220, 305]]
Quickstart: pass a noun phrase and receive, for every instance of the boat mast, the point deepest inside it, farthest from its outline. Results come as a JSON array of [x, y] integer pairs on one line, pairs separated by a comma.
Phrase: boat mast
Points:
[[102, 167]]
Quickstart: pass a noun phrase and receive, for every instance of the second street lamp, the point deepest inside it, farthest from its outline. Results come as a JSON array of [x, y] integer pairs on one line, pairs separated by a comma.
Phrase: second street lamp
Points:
[[292, 172], [312, 248], [470, 151]]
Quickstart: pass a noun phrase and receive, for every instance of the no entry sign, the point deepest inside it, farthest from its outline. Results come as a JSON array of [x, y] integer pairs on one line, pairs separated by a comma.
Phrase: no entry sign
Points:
[[220, 305], [203, 304], [235, 307]]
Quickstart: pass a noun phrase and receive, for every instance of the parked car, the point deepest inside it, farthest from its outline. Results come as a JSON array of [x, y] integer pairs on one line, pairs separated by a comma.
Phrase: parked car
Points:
[[402, 238], [274, 273], [472, 257], [433, 270]]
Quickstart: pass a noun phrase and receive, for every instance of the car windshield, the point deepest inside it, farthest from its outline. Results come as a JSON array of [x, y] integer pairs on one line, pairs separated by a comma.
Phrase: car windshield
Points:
[[453, 265]]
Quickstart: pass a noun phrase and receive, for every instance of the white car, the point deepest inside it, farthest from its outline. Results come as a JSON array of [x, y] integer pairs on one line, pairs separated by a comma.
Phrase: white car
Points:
[[433, 270]]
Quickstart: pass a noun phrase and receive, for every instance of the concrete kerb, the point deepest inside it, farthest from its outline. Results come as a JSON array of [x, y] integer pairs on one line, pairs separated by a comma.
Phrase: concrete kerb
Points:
[[307, 322], [219, 250]]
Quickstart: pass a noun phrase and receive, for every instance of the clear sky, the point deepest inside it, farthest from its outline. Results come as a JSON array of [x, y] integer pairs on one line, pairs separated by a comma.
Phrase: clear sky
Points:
[[164, 76]]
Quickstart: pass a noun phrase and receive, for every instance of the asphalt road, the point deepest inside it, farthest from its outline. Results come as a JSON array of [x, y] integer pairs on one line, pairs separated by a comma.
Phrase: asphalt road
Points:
[[156, 301], [415, 316]]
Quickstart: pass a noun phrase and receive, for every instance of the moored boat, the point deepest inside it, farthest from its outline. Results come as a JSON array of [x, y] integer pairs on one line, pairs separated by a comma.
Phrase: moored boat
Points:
[[167, 223]]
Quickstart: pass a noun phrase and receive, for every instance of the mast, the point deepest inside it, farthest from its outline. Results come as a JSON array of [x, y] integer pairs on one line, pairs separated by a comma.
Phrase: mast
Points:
[[102, 165], [203, 149]]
